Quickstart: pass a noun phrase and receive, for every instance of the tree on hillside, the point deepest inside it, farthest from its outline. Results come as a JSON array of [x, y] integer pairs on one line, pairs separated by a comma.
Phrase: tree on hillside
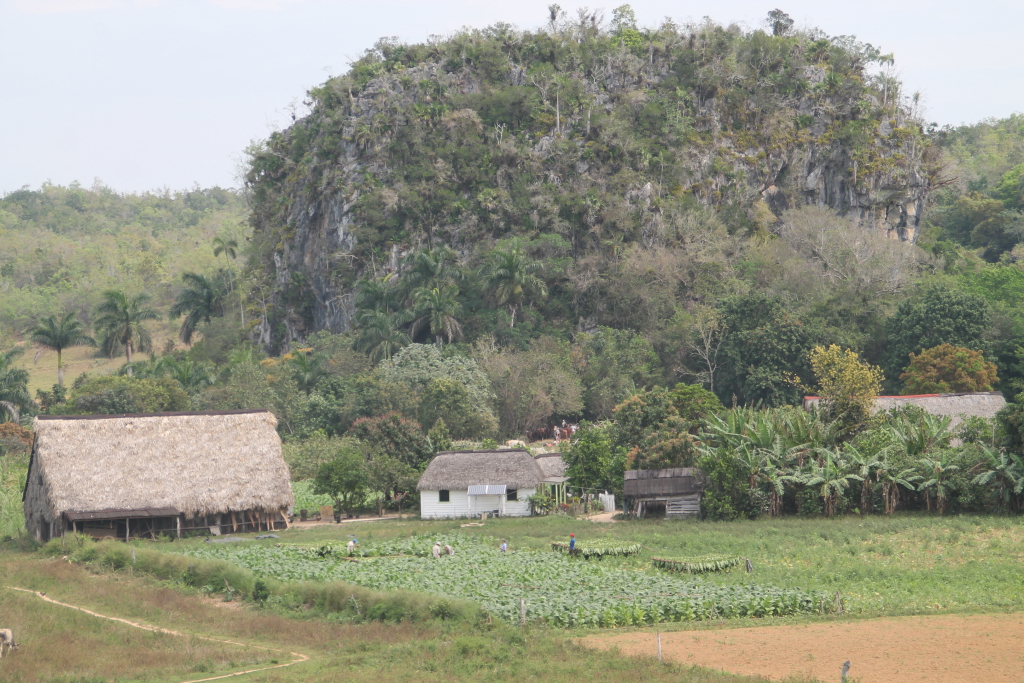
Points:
[[437, 309], [940, 316], [381, 335], [428, 269], [512, 279], [201, 300], [14, 396], [394, 435], [58, 334], [946, 369], [120, 323], [230, 250]]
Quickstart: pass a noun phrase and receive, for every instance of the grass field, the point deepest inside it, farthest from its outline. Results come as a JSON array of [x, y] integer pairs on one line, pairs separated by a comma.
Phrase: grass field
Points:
[[881, 566]]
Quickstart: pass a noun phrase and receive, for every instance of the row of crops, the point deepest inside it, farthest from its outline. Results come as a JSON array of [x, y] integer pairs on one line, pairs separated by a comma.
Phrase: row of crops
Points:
[[558, 589]]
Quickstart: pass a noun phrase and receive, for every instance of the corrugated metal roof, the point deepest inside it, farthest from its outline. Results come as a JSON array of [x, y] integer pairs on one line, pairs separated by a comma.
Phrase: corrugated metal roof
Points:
[[487, 490]]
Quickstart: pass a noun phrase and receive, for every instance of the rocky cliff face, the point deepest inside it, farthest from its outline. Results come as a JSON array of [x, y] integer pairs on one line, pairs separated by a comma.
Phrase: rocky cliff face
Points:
[[596, 136]]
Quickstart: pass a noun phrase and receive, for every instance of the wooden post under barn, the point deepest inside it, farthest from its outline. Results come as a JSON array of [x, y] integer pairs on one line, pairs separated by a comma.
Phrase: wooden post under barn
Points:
[[284, 516], [127, 528], [234, 523], [178, 519]]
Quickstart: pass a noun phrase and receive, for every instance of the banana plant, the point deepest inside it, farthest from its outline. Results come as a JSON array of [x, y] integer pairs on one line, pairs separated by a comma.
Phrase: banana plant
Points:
[[832, 476], [1004, 475], [936, 478]]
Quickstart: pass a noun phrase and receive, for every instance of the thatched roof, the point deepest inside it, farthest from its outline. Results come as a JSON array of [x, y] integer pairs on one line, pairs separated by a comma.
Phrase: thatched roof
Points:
[[199, 463], [457, 470], [551, 464], [974, 404]]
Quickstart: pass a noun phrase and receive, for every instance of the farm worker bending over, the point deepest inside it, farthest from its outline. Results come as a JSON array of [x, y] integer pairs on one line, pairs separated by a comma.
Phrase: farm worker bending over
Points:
[[448, 549], [352, 546], [504, 546], [437, 550]]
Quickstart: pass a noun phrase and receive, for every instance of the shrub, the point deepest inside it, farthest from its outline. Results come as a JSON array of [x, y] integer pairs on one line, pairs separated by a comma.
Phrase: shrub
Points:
[[947, 368]]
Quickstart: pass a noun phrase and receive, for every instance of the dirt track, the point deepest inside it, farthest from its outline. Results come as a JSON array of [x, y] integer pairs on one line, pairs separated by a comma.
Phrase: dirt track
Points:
[[939, 649]]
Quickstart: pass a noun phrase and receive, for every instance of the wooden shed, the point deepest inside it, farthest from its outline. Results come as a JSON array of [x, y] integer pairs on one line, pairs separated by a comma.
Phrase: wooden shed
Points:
[[126, 476], [675, 493]]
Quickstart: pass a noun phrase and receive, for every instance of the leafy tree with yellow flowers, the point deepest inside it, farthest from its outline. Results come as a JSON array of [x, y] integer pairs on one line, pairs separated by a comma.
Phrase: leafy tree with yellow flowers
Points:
[[846, 384], [947, 368]]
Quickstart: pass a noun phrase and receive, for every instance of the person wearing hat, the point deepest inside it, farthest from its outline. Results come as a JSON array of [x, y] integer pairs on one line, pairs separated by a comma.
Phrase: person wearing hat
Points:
[[352, 546], [572, 544], [437, 550]]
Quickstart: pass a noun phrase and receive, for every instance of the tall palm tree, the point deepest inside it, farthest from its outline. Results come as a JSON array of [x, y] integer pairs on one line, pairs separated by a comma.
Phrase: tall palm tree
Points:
[[936, 477], [230, 250], [429, 269], [306, 370], [437, 308], [382, 335], [59, 334], [120, 322], [201, 300], [14, 396], [378, 294], [512, 279]]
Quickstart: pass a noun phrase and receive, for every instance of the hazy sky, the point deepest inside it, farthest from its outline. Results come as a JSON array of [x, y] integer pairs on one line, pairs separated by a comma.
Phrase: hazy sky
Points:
[[146, 94]]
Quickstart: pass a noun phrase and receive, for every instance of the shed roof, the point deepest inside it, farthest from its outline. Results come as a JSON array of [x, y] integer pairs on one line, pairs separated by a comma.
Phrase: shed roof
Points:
[[676, 481], [458, 470], [551, 464], [196, 463]]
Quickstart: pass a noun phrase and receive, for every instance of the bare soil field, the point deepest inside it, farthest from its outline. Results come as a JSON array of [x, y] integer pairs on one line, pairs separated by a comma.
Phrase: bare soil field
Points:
[[937, 649]]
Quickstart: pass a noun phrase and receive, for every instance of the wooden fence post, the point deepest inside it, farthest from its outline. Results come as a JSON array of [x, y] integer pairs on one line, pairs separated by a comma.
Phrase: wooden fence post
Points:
[[659, 647], [522, 611]]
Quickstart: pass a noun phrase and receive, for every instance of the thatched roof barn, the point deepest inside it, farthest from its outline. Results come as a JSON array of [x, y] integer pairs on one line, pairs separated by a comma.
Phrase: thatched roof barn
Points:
[[676, 491], [470, 483], [972, 404], [552, 465], [142, 474]]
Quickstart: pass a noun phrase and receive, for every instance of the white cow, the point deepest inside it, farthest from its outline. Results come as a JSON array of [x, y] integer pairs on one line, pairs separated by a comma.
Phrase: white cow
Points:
[[7, 638]]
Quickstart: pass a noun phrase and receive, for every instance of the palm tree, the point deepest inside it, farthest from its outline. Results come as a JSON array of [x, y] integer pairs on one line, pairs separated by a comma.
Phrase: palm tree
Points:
[[120, 323], [936, 476], [192, 376], [437, 307], [891, 480], [381, 334], [201, 300], [376, 295], [306, 369], [865, 465], [230, 250], [511, 277], [429, 269], [59, 334], [830, 473], [14, 395], [1005, 474], [227, 247]]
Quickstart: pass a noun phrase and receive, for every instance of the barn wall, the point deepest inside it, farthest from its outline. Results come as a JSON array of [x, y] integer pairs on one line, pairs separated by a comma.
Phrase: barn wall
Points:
[[37, 509]]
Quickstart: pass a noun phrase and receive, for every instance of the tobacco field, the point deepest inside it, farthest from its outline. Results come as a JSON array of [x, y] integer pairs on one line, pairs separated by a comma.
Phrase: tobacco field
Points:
[[558, 590]]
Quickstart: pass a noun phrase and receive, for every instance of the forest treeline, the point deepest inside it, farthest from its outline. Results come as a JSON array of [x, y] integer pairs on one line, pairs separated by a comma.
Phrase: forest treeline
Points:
[[508, 229]]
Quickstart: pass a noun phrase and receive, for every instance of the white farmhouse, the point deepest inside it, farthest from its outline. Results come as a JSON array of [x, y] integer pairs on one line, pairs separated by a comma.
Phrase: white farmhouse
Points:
[[469, 483]]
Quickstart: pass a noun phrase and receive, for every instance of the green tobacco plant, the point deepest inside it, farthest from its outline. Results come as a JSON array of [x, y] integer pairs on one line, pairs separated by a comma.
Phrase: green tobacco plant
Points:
[[697, 565], [599, 548]]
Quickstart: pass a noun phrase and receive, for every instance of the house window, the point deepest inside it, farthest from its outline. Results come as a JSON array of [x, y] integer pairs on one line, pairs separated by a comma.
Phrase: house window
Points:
[[443, 496], [512, 495]]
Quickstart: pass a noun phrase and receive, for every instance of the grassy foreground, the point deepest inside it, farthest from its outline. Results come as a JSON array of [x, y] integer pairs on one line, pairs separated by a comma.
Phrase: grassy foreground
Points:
[[900, 565]]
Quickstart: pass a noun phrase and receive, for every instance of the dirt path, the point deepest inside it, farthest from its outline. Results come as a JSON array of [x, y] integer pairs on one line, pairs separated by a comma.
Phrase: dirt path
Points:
[[299, 657], [939, 649]]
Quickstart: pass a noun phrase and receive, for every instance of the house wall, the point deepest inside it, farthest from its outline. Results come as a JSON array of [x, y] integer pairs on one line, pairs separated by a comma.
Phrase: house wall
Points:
[[460, 505]]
